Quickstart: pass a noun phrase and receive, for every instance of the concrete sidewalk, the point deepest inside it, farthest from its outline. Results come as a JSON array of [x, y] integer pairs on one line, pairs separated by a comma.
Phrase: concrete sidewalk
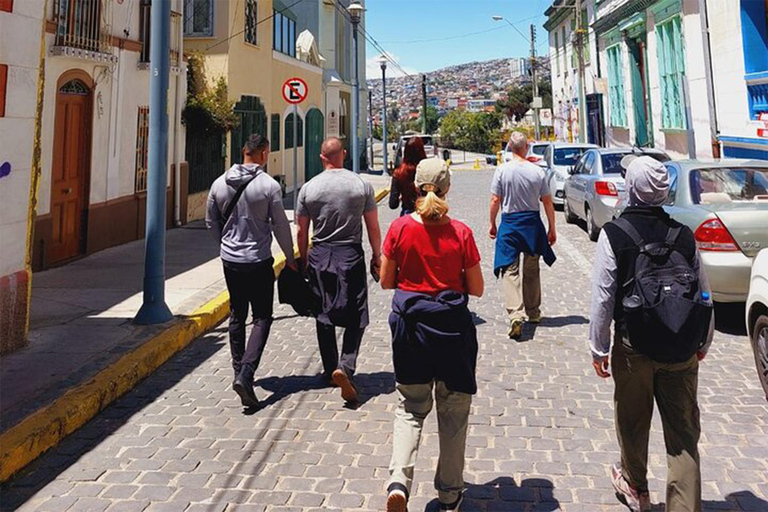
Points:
[[84, 350]]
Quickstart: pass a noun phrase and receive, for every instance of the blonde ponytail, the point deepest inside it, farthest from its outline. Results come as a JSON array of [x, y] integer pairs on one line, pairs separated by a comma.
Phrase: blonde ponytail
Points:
[[431, 206]]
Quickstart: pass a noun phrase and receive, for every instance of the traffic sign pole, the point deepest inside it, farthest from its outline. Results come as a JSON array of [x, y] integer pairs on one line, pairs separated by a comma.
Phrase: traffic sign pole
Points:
[[295, 91], [295, 160]]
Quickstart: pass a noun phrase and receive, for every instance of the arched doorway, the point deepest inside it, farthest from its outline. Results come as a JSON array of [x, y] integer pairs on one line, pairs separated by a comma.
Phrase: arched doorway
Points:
[[70, 174], [315, 127]]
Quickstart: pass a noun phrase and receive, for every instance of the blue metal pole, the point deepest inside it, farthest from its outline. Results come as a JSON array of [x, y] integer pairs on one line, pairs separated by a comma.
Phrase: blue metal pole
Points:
[[355, 104], [154, 310]]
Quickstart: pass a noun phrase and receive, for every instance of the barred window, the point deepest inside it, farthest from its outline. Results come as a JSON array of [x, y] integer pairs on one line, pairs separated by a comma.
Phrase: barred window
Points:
[[251, 20], [142, 143], [198, 18]]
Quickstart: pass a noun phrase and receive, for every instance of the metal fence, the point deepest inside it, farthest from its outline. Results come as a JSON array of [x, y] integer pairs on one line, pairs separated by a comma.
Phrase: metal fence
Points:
[[83, 24], [205, 155]]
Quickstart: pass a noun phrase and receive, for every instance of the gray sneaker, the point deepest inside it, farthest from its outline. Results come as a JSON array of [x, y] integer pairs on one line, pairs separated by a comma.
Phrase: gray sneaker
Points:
[[635, 499]]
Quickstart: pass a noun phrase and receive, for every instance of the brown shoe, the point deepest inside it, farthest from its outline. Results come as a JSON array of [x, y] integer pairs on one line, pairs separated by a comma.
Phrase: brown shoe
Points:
[[635, 499], [348, 390]]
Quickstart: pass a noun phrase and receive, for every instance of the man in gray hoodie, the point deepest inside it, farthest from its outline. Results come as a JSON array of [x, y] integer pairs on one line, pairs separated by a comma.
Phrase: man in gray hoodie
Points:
[[244, 206]]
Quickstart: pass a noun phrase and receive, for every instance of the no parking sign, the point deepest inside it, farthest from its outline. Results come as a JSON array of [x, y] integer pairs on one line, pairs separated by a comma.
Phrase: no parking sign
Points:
[[295, 90]]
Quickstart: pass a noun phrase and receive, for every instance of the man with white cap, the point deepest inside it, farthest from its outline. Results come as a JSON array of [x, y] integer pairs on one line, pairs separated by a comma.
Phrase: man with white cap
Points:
[[639, 374]]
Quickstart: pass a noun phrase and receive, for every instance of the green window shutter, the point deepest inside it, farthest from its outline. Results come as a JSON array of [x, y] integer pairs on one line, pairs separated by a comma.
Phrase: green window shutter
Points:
[[670, 54], [300, 133], [616, 87], [275, 138], [288, 131]]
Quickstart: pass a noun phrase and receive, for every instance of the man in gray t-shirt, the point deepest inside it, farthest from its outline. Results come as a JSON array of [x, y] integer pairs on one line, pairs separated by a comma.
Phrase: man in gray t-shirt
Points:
[[518, 189], [337, 202]]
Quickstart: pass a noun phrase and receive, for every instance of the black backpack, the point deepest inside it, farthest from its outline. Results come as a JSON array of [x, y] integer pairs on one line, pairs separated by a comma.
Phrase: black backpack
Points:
[[665, 314]]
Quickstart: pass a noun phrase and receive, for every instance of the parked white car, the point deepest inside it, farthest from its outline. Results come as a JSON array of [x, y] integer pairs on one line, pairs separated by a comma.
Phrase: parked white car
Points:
[[757, 316]]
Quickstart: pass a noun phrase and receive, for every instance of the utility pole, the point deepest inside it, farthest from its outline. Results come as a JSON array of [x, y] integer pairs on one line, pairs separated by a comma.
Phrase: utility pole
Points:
[[534, 79], [582, 89], [154, 309], [370, 128], [424, 103], [384, 137]]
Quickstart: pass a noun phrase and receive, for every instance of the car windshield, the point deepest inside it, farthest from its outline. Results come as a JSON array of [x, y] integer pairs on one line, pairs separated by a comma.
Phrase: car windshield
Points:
[[729, 184], [539, 149], [568, 156], [612, 161]]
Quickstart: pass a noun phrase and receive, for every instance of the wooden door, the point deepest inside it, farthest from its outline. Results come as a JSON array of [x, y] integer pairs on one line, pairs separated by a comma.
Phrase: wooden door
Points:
[[71, 162]]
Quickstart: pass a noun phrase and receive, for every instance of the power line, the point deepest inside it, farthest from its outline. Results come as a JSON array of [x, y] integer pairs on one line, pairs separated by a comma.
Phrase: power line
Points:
[[417, 41]]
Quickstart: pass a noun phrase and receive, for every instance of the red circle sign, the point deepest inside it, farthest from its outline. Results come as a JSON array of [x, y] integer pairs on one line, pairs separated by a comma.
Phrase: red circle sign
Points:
[[295, 90]]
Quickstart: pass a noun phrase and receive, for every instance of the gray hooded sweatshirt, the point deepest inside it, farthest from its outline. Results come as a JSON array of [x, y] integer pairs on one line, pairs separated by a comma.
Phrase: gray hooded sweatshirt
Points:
[[246, 237]]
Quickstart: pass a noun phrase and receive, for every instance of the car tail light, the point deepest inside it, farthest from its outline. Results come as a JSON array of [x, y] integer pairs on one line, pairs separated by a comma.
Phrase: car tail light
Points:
[[713, 236], [606, 188]]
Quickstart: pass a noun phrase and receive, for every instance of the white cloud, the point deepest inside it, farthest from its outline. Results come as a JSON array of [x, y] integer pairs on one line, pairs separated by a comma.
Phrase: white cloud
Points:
[[373, 67]]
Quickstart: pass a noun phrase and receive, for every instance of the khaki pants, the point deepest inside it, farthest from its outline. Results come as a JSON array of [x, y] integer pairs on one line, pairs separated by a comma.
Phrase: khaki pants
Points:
[[639, 381], [522, 295], [415, 403]]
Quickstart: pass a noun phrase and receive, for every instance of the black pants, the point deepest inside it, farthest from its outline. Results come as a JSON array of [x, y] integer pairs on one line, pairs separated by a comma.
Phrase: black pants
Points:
[[249, 284], [329, 350]]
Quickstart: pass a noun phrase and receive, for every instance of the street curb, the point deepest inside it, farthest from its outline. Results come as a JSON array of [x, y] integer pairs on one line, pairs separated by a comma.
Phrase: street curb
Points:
[[46, 427]]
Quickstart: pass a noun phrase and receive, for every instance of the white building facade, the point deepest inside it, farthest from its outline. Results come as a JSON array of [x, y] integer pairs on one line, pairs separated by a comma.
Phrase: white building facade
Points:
[[738, 32]]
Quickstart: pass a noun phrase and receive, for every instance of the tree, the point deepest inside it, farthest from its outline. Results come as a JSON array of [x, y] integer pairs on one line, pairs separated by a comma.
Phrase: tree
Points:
[[470, 131], [519, 99], [432, 121]]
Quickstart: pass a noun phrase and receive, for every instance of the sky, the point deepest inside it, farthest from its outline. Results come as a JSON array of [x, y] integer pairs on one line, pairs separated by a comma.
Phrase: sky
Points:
[[425, 35]]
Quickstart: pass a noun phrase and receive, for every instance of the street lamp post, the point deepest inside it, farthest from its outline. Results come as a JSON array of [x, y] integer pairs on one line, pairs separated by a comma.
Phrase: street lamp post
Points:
[[355, 13], [385, 151], [154, 309], [534, 77]]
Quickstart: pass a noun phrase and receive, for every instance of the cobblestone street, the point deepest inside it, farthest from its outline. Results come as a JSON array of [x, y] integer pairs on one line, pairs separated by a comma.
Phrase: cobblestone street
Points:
[[541, 434]]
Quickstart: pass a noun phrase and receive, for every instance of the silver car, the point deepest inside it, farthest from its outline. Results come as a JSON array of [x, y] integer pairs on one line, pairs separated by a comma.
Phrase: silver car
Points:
[[725, 203], [559, 157], [596, 185]]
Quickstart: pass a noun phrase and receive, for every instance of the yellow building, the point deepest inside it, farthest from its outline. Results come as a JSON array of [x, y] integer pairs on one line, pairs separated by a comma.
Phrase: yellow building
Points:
[[253, 45]]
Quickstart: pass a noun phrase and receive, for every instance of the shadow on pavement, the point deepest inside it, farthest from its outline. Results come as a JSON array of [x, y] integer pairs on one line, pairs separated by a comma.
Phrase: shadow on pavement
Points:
[[729, 318], [50, 465], [529, 329], [369, 385], [504, 494], [741, 500]]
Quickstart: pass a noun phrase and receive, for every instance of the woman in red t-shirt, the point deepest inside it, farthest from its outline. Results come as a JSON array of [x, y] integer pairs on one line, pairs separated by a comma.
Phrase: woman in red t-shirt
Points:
[[433, 263]]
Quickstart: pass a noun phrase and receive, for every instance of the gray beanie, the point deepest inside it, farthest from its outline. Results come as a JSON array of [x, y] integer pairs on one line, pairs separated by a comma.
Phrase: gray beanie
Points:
[[647, 182]]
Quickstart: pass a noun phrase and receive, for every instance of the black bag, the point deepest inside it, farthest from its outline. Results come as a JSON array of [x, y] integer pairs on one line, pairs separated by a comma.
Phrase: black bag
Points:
[[665, 315], [293, 289]]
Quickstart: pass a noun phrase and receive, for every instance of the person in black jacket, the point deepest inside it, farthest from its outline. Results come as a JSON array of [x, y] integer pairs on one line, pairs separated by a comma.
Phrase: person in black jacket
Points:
[[433, 263], [640, 380]]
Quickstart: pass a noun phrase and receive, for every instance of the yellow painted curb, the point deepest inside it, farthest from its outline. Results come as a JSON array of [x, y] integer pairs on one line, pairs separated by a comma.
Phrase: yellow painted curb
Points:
[[45, 428]]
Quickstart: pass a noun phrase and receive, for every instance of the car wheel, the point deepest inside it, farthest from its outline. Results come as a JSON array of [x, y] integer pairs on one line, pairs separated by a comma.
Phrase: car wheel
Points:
[[760, 348], [570, 218], [592, 230]]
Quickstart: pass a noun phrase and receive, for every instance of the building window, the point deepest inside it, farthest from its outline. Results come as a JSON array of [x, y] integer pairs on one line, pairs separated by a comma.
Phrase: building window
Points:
[[616, 101], [754, 33], [275, 138], [562, 41], [669, 49], [557, 52], [145, 11], [343, 119], [79, 25], [284, 30], [251, 20], [142, 143], [6, 5], [289, 132], [198, 18], [585, 35]]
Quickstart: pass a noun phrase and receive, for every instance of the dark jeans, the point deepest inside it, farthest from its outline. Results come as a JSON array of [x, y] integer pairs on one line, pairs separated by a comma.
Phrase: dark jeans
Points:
[[329, 350], [249, 284]]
